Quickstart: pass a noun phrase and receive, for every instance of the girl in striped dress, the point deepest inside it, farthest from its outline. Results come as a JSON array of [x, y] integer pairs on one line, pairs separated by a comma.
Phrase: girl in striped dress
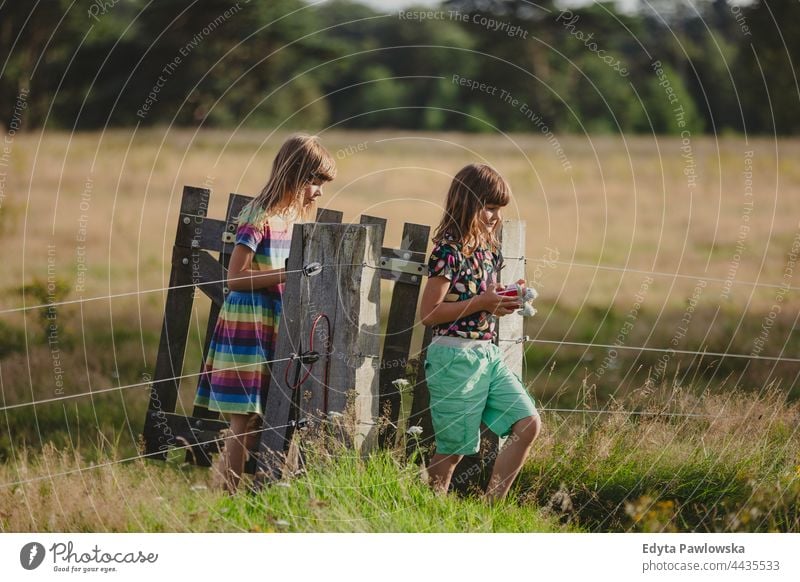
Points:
[[236, 374]]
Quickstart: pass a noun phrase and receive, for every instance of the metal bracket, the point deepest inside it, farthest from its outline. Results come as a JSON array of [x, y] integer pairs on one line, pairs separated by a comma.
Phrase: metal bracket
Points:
[[402, 266]]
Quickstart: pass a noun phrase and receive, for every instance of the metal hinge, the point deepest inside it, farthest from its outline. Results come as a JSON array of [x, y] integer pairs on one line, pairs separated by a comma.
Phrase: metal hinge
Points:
[[402, 266]]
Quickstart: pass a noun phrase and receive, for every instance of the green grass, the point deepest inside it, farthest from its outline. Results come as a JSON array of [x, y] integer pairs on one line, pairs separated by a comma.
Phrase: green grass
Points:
[[342, 494], [379, 494]]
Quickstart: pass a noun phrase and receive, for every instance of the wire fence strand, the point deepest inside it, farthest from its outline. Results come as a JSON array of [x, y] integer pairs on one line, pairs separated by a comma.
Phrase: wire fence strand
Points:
[[525, 339], [136, 385], [137, 457], [155, 290]]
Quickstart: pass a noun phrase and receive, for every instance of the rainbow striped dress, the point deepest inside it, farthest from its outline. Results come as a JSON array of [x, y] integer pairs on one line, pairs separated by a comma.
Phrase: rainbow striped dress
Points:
[[234, 375]]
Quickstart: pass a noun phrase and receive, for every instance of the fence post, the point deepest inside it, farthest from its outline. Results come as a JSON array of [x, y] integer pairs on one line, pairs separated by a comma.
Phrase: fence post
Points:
[[511, 327], [348, 293], [400, 325], [157, 434]]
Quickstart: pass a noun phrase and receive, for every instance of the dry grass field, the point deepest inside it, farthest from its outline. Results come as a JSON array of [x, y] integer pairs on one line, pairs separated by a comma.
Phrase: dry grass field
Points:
[[625, 203]]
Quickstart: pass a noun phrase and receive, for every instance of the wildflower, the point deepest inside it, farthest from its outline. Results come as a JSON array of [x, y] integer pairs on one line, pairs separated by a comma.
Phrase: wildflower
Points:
[[414, 430], [401, 384]]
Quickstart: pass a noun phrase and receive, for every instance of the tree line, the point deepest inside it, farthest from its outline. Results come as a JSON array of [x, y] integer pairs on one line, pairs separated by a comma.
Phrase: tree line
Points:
[[464, 65]]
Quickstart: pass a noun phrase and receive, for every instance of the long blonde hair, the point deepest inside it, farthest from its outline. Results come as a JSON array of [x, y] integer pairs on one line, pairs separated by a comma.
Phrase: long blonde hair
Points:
[[299, 161], [472, 188]]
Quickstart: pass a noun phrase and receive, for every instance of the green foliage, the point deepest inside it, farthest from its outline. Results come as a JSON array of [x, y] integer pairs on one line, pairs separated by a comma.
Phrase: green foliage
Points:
[[289, 64], [12, 339], [51, 318]]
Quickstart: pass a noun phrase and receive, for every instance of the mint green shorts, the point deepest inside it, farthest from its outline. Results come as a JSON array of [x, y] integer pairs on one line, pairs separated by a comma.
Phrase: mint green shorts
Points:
[[470, 385]]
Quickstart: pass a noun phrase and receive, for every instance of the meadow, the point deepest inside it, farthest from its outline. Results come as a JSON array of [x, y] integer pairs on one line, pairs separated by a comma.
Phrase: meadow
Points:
[[640, 241]]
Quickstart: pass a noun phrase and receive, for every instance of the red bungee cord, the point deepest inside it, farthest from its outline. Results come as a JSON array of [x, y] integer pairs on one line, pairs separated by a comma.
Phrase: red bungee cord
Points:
[[310, 357]]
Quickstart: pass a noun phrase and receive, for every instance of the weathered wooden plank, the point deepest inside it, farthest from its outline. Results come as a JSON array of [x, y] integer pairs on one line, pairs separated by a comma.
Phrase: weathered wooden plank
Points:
[[172, 344], [275, 438], [201, 435], [349, 295], [326, 215], [195, 200], [209, 275], [200, 232], [379, 224], [194, 208], [235, 204], [171, 350], [399, 330], [186, 425]]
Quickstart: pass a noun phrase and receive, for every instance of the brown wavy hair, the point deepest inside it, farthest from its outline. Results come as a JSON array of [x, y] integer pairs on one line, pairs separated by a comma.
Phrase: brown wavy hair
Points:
[[472, 188], [299, 161]]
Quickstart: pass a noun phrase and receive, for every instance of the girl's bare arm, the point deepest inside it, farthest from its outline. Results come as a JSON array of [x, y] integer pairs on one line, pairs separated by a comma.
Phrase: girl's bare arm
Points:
[[434, 309], [242, 278]]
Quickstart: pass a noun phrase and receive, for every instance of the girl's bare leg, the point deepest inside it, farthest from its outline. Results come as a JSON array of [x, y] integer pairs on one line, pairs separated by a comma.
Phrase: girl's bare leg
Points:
[[440, 471], [235, 451], [511, 458]]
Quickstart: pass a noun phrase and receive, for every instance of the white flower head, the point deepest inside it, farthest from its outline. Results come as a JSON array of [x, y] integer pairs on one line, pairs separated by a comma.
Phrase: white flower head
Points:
[[401, 384], [414, 430]]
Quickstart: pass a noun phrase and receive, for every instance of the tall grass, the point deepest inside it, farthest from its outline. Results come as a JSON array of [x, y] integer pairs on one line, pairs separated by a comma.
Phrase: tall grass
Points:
[[684, 462], [341, 494], [730, 463]]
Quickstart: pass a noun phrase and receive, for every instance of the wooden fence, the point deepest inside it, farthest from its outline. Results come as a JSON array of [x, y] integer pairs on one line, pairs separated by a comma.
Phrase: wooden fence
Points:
[[348, 294]]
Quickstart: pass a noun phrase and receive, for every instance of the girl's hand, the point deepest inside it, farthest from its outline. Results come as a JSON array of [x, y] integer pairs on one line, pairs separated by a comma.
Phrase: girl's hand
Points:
[[498, 304]]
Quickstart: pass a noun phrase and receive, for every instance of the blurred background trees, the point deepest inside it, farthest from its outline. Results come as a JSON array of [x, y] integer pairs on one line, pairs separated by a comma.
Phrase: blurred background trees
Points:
[[285, 63]]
